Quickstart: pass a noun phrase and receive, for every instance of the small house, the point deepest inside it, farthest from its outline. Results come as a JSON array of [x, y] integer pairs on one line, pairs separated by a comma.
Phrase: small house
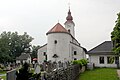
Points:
[[102, 55], [24, 57]]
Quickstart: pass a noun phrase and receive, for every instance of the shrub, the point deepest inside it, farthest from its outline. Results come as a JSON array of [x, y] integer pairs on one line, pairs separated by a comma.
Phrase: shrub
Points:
[[75, 62], [82, 62], [23, 73]]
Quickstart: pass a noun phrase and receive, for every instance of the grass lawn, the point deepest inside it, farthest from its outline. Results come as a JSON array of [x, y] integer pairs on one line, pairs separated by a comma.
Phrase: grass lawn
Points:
[[3, 77], [3, 72], [99, 74]]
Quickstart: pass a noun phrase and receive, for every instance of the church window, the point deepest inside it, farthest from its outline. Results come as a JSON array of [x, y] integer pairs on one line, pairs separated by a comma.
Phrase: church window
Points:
[[101, 60], [69, 30], [75, 58], [44, 53], [75, 52], [55, 41]]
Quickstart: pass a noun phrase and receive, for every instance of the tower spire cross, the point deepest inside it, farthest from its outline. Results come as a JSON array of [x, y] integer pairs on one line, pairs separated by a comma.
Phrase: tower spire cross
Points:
[[69, 4]]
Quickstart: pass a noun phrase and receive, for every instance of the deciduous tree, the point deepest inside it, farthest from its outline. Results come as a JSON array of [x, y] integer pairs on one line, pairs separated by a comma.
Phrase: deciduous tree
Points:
[[12, 45], [115, 36]]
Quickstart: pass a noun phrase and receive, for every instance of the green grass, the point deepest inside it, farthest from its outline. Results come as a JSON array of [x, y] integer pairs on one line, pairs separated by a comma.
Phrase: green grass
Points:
[[3, 72], [99, 74], [3, 77], [32, 70]]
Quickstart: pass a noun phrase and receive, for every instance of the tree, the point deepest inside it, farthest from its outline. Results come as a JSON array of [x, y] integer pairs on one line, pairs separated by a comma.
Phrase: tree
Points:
[[24, 73], [12, 45], [4, 48], [115, 36], [34, 51], [20, 44]]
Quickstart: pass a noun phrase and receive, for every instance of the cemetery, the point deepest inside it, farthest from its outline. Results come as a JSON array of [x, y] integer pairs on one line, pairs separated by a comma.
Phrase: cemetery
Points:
[[62, 57], [75, 70], [48, 71]]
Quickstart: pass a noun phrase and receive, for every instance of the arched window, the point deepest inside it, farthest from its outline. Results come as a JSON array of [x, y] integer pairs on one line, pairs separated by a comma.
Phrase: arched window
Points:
[[55, 41], [75, 58], [69, 30]]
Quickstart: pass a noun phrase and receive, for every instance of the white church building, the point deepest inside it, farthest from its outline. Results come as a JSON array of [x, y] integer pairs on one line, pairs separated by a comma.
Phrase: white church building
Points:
[[61, 44]]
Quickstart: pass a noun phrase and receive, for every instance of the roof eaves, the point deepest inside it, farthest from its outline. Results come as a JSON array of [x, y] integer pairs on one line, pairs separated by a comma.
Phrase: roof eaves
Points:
[[43, 45]]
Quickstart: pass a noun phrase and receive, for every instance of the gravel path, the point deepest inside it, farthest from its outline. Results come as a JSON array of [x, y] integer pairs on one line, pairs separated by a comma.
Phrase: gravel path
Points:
[[118, 72]]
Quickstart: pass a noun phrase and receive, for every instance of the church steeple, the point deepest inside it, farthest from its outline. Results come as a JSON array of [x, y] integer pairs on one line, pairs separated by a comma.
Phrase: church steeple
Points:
[[69, 24], [69, 17]]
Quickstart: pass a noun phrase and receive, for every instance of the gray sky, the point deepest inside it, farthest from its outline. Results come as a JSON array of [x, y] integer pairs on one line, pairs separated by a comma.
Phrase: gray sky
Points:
[[94, 19]]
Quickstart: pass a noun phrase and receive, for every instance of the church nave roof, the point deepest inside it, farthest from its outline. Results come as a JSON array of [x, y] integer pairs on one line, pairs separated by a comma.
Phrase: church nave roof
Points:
[[57, 28]]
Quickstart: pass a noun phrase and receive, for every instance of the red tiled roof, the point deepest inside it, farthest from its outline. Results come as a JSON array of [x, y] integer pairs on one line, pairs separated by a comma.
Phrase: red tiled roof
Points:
[[34, 59], [57, 28]]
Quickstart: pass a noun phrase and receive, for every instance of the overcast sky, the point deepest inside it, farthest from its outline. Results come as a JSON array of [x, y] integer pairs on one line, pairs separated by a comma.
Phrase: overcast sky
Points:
[[94, 19]]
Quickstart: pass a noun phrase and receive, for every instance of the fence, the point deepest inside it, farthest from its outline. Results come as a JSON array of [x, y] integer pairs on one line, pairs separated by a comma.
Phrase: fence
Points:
[[59, 71], [49, 66], [52, 71]]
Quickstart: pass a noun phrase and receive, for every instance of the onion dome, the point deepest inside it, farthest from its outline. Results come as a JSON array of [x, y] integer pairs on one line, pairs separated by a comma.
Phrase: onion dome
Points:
[[69, 17]]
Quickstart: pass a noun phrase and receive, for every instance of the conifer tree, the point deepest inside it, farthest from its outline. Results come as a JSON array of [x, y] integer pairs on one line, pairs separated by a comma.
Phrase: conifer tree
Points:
[[115, 36], [23, 73]]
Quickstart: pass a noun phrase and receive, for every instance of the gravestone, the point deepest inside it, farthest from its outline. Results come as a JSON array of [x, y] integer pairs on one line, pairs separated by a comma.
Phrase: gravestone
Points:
[[49, 68], [64, 65], [37, 69], [90, 66], [11, 75]]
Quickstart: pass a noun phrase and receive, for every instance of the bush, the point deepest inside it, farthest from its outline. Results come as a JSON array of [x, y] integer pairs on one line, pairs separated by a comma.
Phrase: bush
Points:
[[82, 62], [23, 73]]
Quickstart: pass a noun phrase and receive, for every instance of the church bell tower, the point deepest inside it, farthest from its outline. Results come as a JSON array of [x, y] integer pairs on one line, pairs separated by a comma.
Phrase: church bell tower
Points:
[[69, 24]]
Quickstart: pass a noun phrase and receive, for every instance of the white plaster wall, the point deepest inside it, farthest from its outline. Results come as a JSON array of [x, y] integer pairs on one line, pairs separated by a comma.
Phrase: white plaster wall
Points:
[[80, 52], [40, 54], [70, 26], [75, 41], [17, 61], [29, 60], [95, 59], [61, 48]]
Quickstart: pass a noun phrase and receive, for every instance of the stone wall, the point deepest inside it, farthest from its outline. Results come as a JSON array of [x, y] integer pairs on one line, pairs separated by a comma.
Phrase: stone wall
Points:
[[69, 73]]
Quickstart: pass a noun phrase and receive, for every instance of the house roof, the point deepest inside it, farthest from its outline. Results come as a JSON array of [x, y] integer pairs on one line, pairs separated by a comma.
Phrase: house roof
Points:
[[58, 28], [23, 56], [43, 46], [103, 48]]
